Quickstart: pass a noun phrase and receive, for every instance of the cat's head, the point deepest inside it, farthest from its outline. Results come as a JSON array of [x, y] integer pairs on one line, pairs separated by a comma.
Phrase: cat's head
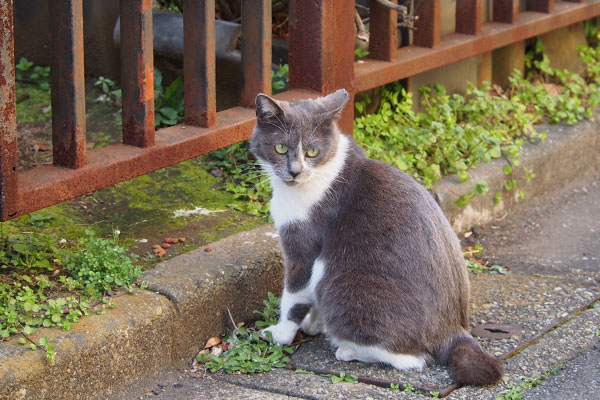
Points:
[[292, 140]]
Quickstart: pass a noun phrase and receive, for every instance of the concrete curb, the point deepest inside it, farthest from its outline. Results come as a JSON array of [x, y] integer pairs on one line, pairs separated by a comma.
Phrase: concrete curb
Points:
[[196, 291]]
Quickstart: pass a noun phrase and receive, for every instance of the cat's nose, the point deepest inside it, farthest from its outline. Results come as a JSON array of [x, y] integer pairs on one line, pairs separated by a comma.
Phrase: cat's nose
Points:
[[294, 173]]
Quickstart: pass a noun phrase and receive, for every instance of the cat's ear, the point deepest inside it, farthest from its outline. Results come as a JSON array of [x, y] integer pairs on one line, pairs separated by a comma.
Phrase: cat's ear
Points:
[[334, 103], [267, 109]]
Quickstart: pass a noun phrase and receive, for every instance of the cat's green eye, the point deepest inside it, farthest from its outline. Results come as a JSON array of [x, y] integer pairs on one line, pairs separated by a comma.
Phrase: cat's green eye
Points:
[[281, 148], [312, 152]]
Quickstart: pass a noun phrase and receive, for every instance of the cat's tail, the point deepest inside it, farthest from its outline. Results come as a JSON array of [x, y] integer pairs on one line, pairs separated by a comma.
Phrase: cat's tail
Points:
[[470, 364]]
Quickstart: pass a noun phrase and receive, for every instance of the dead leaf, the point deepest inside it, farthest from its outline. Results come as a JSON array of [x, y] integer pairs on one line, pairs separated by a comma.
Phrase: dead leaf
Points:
[[165, 246], [156, 246], [207, 249], [170, 240], [182, 239], [159, 252], [213, 341], [216, 351], [552, 89], [39, 146]]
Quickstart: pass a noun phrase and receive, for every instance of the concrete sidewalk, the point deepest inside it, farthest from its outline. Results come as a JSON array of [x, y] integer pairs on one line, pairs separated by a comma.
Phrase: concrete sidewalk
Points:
[[159, 332]]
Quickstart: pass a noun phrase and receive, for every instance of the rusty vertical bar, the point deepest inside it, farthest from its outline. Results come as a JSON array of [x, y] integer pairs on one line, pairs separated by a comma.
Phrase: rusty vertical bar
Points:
[[343, 58], [137, 75], [256, 49], [506, 11], [199, 62], [383, 35], [8, 114], [310, 45], [545, 6], [321, 49], [427, 33], [68, 84], [468, 16]]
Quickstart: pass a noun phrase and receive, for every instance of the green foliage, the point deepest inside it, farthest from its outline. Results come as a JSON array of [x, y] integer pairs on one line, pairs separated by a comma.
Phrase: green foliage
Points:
[[455, 133], [45, 282], [168, 102], [516, 389], [342, 377], [408, 388], [279, 78], [101, 264], [359, 54], [270, 314], [169, 5], [109, 88], [243, 178], [25, 71], [477, 266], [248, 351]]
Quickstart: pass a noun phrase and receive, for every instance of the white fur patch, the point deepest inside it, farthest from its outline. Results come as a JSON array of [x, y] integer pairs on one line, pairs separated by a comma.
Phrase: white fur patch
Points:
[[285, 330], [348, 351], [293, 203]]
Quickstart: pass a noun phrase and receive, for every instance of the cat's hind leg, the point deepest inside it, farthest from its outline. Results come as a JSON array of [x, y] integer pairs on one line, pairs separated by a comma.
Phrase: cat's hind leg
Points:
[[349, 351], [312, 324]]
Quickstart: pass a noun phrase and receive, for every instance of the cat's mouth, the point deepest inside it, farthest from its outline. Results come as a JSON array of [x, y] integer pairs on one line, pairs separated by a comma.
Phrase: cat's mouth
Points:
[[292, 182]]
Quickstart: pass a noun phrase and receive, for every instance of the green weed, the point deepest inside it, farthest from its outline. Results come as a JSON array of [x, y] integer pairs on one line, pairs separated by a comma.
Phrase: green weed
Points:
[[247, 350], [516, 389], [47, 282], [455, 133]]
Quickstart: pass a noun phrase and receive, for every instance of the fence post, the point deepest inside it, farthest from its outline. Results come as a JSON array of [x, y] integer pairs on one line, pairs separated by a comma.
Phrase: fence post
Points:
[[321, 49], [68, 83], [137, 72], [8, 115], [506, 11], [427, 33], [468, 16], [545, 6], [199, 62], [256, 49], [383, 35]]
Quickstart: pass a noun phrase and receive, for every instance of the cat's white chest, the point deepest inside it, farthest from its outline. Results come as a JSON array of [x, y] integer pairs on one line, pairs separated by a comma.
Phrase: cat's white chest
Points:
[[294, 203]]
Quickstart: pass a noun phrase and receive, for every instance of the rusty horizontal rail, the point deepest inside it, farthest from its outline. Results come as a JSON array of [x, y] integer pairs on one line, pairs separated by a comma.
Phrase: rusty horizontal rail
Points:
[[413, 60]]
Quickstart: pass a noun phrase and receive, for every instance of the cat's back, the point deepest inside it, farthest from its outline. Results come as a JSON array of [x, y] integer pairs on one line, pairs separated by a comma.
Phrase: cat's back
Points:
[[385, 197]]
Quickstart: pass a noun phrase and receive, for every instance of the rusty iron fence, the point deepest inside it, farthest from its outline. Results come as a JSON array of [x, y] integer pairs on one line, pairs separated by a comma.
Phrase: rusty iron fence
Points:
[[321, 60]]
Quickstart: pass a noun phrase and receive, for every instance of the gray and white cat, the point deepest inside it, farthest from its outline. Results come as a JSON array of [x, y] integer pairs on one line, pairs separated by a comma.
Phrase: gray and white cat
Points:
[[369, 257]]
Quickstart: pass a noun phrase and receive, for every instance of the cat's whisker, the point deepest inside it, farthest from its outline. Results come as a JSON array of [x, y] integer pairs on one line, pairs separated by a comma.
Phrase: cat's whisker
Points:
[[286, 130], [278, 127]]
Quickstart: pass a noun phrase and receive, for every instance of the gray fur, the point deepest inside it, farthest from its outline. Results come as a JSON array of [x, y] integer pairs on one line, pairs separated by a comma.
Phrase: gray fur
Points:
[[395, 274]]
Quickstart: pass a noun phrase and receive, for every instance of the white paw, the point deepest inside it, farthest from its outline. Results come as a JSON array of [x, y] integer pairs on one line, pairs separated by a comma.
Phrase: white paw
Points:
[[283, 333], [344, 353], [312, 326]]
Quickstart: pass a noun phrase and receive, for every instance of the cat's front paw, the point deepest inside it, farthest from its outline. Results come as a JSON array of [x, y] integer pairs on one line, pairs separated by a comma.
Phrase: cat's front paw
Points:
[[283, 333]]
